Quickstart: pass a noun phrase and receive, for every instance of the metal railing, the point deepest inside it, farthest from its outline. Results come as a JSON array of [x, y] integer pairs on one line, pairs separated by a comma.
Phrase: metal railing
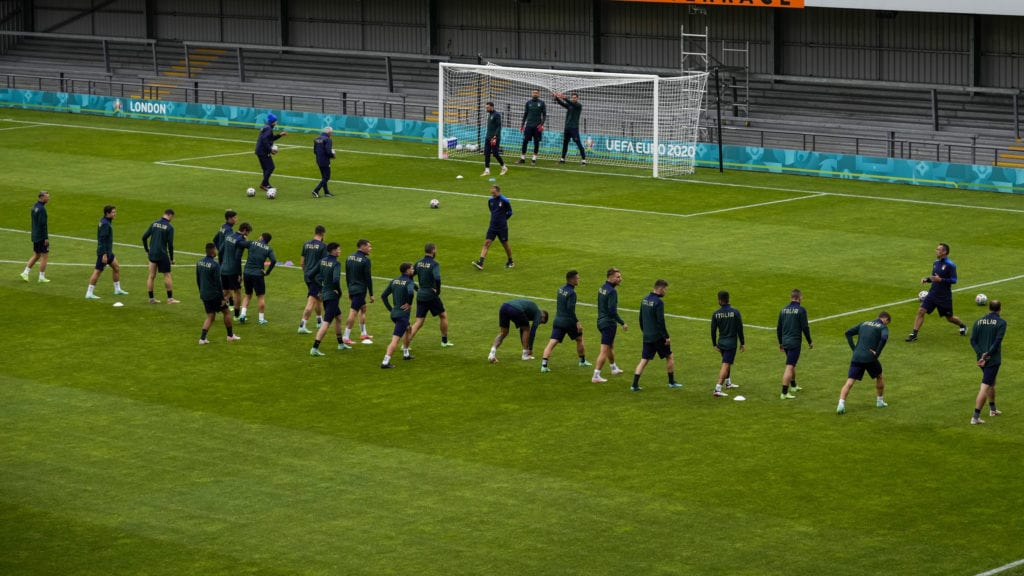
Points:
[[104, 41], [888, 144]]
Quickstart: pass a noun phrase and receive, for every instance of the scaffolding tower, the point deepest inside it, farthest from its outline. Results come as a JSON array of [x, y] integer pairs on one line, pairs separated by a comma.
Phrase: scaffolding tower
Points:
[[694, 57]]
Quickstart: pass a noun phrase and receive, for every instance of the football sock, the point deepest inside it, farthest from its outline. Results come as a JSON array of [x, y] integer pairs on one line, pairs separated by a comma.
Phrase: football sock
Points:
[[340, 340], [785, 389], [793, 383], [718, 387], [671, 377], [150, 294], [362, 329], [991, 405], [444, 339], [203, 337], [231, 331], [583, 358], [170, 294], [89, 290], [117, 285], [244, 309], [977, 412], [237, 312], [914, 332], [319, 320], [881, 398], [842, 403], [405, 353], [348, 332], [387, 359], [636, 380], [615, 366], [302, 324], [493, 351], [27, 270], [316, 344], [544, 362], [597, 373], [42, 275], [262, 318]]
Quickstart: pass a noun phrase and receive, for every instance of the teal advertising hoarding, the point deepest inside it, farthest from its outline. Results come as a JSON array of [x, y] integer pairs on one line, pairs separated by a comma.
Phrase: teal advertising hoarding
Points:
[[803, 162]]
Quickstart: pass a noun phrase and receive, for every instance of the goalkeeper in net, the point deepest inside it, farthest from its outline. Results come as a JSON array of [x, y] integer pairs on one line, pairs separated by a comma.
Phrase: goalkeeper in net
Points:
[[532, 125], [573, 108]]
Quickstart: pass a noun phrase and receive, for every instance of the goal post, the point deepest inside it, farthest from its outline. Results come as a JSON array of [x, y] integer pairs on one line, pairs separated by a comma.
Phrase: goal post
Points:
[[634, 120]]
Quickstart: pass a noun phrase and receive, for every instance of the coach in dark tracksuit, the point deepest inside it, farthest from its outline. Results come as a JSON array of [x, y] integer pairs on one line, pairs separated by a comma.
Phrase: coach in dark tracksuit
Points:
[[323, 148], [263, 149]]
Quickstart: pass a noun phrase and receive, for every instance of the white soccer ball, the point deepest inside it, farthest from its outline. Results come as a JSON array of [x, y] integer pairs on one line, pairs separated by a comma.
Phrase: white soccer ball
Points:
[[981, 299], [271, 193], [273, 149], [435, 203], [459, 147], [250, 192], [472, 147], [921, 295]]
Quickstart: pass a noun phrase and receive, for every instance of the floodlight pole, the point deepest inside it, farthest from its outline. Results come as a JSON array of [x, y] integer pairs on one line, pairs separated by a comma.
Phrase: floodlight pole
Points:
[[718, 105]]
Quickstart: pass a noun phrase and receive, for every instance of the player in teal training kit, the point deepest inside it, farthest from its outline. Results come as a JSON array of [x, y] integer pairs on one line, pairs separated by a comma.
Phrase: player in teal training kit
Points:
[[532, 125], [158, 241], [987, 341], [211, 292], [105, 254], [492, 140], [608, 321], [522, 313], [871, 338], [359, 277], [329, 276], [726, 332], [40, 238], [656, 338], [231, 267], [403, 290], [566, 323], [254, 275], [428, 296], [790, 330], [313, 251], [573, 109]]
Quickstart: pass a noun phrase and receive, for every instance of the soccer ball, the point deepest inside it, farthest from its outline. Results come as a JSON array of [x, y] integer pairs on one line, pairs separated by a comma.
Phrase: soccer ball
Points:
[[922, 294], [472, 147], [271, 193], [435, 203], [250, 192], [458, 147], [273, 149], [981, 299]]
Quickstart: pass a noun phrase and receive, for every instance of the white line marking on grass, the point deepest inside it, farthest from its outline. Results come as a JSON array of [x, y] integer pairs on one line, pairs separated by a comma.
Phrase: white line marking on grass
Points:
[[139, 245], [1002, 568], [20, 127], [206, 157], [617, 174], [76, 264], [909, 300], [470, 195]]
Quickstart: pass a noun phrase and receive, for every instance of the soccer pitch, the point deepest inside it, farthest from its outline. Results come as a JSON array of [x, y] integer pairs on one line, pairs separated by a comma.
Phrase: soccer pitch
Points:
[[125, 448]]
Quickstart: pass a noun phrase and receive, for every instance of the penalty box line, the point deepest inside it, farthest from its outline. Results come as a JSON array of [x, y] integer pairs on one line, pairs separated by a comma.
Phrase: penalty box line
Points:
[[616, 174], [176, 164]]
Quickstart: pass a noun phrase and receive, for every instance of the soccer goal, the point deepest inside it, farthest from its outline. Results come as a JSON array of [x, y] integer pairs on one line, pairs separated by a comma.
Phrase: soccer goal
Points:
[[636, 120]]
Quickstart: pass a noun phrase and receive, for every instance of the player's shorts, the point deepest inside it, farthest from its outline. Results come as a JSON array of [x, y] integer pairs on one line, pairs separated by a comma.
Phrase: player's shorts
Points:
[[989, 373], [728, 356], [608, 335], [560, 333], [231, 281], [163, 265], [857, 369], [331, 310], [401, 325], [532, 133], [435, 307], [508, 314], [312, 288], [257, 284], [41, 247], [660, 348], [357, 301], [500, 233], [945, 308], [215, 305], [99, 261], [792, 356]]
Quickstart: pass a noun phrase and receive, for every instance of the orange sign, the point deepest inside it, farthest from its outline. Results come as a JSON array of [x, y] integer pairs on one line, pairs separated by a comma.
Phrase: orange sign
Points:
[[753, 3]]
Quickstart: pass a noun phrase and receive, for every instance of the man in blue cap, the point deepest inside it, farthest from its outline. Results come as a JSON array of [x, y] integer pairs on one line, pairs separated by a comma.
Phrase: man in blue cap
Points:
[[265, 148]]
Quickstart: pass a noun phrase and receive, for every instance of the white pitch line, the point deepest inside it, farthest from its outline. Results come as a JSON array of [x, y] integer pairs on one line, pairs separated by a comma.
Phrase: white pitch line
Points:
[[206, 157], [76, 264], [617, 174], [469, 195], [909, 300], [139, 245], [1003, 568], [19, 127]]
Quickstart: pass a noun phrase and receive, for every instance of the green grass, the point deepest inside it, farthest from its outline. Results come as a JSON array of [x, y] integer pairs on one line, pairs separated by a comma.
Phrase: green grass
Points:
[[125, 448]]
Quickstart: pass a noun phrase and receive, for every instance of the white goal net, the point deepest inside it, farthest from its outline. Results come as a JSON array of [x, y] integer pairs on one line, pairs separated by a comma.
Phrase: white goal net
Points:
[[636, 120]]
